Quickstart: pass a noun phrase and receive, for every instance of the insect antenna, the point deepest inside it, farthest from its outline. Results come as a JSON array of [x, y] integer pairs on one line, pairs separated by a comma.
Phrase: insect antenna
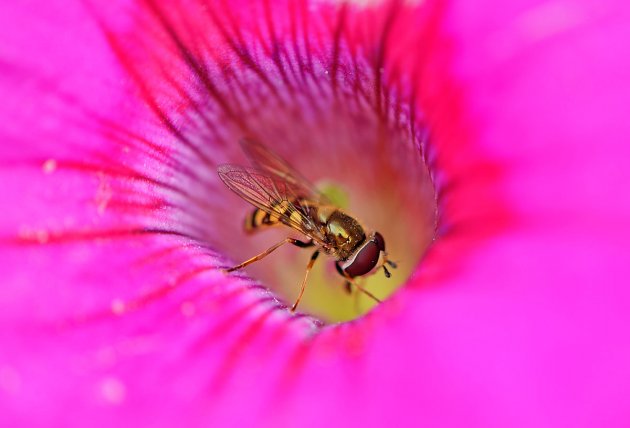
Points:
[[391, 264], [387, 274]]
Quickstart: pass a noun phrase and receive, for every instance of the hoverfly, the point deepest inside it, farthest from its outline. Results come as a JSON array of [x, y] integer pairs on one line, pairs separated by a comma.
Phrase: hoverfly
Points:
[[283, 197]]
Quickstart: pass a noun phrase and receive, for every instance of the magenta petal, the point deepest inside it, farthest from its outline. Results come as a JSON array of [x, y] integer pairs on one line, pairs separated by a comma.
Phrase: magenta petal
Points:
[[518, 316]]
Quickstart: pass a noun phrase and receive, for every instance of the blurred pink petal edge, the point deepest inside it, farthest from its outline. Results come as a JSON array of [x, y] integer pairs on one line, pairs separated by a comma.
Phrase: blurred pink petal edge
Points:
[[526, 327]]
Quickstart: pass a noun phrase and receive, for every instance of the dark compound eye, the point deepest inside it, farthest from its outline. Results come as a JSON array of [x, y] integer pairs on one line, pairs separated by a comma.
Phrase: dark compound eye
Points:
[[365, 260], [378, 238]]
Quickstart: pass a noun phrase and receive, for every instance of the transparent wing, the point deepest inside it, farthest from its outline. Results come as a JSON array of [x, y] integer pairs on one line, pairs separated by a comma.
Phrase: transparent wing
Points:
[[271, 163], [273, 195]]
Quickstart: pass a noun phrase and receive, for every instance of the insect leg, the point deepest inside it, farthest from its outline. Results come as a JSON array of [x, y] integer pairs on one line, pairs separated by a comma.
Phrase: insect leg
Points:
[[271, 250], [311, 262], [339, 270], [348, 287], [363, 290], [357, 308], [351, 280], [301, 244]]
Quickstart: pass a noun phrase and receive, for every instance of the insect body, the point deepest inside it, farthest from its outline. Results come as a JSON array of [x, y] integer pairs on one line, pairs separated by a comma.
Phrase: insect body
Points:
[[283, 197]]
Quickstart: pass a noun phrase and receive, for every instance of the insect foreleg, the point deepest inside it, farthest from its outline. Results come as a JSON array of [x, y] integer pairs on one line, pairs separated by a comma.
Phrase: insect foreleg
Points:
[[363, 290], [356, 284], [348, 287]]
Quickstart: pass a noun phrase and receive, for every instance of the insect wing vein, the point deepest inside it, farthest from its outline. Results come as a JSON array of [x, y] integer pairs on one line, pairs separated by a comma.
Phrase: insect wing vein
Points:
[[274, 165], [272, 195]]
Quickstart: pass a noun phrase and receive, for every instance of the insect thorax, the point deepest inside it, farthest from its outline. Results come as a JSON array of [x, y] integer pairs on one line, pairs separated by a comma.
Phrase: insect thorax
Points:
[[343, 233]]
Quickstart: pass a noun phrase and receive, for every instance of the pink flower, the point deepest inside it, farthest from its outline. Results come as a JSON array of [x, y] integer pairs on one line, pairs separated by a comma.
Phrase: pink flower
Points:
[[114, 226]]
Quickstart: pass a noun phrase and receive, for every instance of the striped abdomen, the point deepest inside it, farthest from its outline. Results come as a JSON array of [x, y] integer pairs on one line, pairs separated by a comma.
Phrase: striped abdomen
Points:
[[259, 219]]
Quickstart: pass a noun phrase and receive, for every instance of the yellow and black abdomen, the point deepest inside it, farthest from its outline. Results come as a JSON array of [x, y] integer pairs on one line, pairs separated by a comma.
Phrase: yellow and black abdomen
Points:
[[260, 219]]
